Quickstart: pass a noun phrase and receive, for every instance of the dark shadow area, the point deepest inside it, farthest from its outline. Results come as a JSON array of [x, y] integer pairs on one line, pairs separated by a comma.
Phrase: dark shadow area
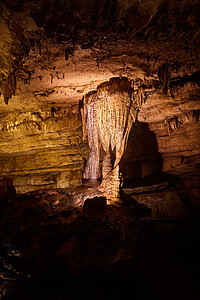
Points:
[[142, 166], [181, 81], [141, 159], [187, 188], [165, 269]]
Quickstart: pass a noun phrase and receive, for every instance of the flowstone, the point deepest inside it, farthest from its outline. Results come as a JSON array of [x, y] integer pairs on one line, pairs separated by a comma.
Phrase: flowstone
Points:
[[107, 116]]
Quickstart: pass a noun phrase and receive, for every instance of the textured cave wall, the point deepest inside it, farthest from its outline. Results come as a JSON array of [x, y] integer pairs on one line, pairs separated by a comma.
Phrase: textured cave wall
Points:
[[164, 148], [167, 131], [41, 142], [52, 53], [10, 51], [42, 148]]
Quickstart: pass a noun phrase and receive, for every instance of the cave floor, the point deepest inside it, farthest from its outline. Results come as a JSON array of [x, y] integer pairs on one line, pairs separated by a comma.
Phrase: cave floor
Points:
[[167, 268]]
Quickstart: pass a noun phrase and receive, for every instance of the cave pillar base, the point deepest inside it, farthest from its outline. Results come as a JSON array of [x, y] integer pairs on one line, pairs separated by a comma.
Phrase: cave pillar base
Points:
[[110, 186]]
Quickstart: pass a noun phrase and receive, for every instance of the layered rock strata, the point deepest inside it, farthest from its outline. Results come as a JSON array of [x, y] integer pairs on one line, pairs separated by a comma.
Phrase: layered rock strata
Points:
[[54, 53], [42, 148]]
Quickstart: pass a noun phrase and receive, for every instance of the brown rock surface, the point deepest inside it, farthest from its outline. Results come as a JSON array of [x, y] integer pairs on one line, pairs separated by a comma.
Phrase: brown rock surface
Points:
[[52, 54]]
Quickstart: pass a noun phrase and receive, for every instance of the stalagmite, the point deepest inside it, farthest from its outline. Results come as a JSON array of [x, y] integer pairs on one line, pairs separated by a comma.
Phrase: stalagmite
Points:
[[108, 116]]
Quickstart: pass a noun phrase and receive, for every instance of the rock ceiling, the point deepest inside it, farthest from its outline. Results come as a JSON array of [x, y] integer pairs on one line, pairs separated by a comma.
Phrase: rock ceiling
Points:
[[59, 50], [52, 53]]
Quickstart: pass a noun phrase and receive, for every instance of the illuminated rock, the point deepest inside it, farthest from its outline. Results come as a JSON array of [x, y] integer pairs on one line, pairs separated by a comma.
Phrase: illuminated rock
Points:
[[107, 119], [90, 129], [51, 57]]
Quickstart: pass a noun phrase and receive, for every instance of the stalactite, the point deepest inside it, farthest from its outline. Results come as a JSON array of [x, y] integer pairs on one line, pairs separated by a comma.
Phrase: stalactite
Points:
[[164, 74], [108, 116], [176, 122], [140, 96], [172, 124], [90, 129], [8, 87]]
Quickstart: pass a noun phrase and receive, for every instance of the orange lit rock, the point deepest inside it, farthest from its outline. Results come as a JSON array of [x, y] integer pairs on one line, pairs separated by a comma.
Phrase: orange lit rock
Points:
[[107, 118]]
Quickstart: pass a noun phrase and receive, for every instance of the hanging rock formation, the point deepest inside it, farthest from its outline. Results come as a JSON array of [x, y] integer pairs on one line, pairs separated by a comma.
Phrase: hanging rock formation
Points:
[[108, 116], [90, 129]]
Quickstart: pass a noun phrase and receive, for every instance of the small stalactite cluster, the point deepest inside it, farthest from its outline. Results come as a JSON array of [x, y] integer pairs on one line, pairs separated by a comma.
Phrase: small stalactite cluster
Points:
[[12, 49], [8, 87], [176, 122], [108, 115], [140, 96], [165, 74], [172, 124]]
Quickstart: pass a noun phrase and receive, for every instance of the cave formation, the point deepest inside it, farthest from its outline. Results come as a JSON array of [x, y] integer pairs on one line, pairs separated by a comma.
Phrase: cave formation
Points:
[[107, 117], [99, 149]]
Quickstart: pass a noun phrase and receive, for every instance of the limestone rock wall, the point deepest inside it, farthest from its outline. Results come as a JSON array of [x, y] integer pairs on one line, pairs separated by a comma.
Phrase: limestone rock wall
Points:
[[164, 146], [42, 148], [167, 135], [152, 150], [52, 53]]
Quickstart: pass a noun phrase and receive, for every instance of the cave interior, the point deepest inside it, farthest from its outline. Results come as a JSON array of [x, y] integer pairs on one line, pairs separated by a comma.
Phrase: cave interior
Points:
[[99, 149]]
